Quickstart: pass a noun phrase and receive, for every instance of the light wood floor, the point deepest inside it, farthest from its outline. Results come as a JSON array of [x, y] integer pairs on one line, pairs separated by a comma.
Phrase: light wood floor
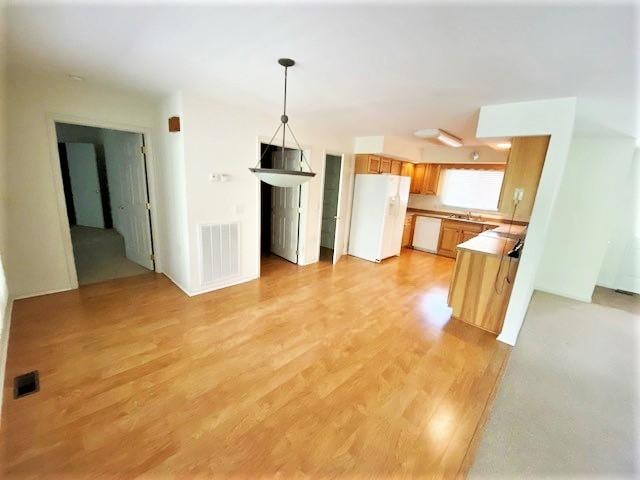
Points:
[[350, 370]]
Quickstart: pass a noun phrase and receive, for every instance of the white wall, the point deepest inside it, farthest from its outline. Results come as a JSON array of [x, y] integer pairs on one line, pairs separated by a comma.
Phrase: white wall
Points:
[[37, 262], [5, 302], [583, 215], [4, 199], [441, 154], [5, 323], [544, 117], [172, 193], [370, 144], [403, 149], [220, 138], [621, 264], [395, 147]]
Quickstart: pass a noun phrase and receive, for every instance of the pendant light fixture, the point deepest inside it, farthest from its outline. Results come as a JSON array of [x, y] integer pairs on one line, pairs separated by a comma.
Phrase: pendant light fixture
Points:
[[279, 177]]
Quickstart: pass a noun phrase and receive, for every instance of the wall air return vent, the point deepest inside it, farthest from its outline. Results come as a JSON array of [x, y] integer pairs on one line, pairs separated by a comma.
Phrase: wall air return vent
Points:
[[219, 253]]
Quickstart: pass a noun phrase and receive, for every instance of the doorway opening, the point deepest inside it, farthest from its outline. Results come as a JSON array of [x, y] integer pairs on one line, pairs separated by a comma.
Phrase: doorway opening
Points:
[[330, 209], [104, 178], [280, 207]]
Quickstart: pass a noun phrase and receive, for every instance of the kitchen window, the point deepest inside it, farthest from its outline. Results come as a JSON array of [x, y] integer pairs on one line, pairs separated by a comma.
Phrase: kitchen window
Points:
[[466, 188]]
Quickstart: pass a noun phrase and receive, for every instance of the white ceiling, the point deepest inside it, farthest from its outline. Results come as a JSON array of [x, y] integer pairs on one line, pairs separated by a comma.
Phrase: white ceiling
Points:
[[370, 69]]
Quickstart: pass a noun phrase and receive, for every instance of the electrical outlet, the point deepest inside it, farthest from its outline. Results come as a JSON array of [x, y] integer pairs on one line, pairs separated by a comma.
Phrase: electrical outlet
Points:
[[518, 194]]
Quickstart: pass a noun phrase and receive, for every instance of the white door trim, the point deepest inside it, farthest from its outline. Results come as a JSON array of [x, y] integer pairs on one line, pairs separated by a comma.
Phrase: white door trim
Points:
[[340, 198], [304, 201], [63, 218]]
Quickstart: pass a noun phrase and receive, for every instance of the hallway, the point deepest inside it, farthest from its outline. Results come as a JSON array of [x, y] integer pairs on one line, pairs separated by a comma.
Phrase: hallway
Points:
[[99, 255]]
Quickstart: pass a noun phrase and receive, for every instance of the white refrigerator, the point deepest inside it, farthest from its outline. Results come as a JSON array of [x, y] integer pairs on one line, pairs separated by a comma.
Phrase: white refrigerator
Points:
[[377, 216]]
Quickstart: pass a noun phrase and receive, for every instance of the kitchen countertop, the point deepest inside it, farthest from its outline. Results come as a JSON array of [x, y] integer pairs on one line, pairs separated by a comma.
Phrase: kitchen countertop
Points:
[[496, 242], [507, 231], [498, 222], [489, 245]]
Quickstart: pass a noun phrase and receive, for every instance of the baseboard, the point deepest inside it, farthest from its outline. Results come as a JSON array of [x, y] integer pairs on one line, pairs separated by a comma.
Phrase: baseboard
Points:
[[565, 295], [176, 283], [211, 288], [46, 292], [313, 260], [221, 286], [4, 347]]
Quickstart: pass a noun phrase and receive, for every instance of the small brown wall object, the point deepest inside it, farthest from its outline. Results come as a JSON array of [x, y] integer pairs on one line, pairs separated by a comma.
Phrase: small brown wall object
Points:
[[174, 124]]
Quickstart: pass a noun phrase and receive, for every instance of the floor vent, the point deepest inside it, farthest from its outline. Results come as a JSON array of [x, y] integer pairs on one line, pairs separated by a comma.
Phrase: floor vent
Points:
[[26, 384], [220, 252]]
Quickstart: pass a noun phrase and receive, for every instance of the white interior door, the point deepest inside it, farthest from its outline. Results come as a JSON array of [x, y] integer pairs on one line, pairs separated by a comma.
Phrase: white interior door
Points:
[[85, 184], [285, 213], [134, 215], [340, 244]]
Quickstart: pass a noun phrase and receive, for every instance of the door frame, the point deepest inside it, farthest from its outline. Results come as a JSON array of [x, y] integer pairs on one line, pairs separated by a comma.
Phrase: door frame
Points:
[[304, 202], [63, 219], [342, 156]]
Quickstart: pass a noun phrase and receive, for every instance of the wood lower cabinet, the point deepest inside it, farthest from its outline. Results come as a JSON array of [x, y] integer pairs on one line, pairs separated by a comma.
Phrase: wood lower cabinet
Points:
[[453, 233], [472, 293], [407, 233]]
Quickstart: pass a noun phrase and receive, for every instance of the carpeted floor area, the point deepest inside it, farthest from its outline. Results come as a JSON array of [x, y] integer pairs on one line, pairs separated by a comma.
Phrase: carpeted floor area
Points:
[[567, 406], [99, 255]]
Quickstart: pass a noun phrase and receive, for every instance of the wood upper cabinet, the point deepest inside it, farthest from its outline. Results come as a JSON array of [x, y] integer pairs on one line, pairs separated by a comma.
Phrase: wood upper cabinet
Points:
[[425, 178], [431, 179], [418, 178], [524, 168], [407, 169], [453, 233], [385, 165], [367, 163]]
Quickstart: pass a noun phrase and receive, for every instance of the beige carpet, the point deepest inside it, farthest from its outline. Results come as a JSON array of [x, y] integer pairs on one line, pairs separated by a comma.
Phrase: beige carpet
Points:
[[99, 255], [568, 404]]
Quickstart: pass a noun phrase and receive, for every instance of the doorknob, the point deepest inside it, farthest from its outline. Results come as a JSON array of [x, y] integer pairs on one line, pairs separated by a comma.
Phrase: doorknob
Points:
[[121, 207]]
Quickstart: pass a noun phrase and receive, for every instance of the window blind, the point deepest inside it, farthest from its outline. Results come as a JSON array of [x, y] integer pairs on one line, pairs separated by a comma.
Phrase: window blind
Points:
[[472, 188]]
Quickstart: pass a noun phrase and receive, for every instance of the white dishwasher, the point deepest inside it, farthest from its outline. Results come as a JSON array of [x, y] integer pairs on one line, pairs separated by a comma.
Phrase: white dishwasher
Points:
[[426, 234]]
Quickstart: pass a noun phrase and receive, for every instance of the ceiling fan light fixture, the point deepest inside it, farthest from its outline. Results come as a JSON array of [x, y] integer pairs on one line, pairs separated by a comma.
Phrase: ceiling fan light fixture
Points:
[[448, 139], [427, 133], [439, 135]]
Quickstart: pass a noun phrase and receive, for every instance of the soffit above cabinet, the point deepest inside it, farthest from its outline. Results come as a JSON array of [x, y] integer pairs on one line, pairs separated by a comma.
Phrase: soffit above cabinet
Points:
[[388, 146]]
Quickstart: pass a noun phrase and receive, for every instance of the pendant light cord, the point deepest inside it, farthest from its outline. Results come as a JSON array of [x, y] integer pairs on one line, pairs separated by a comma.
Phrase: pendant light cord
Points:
[[284, 118], [284, 121]]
